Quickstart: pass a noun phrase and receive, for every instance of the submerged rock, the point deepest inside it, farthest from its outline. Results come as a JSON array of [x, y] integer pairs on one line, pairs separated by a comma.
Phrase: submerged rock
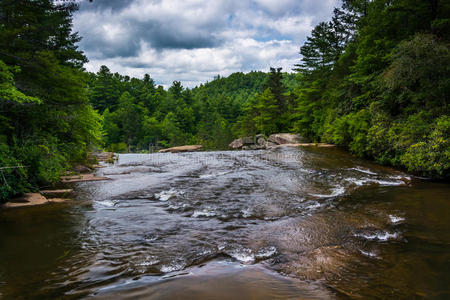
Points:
[[187, 148]]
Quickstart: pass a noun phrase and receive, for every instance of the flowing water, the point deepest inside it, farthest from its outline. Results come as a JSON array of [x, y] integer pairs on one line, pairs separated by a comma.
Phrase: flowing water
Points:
[[276, 224]]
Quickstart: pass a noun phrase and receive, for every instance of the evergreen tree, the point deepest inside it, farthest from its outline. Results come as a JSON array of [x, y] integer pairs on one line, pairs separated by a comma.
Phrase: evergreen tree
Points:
[[47, 120], [267, 113]]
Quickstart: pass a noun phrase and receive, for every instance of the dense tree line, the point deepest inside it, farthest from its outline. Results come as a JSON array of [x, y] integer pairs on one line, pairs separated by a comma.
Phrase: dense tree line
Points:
[[140, 116], [375, 79], [46, 120]]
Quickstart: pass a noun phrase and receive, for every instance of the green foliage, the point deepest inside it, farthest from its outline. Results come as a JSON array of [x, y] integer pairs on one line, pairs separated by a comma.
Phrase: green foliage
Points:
[[46, 120], [431, 155], [12, 173], [267, 111], [418, 76], [8, 91], [350, 131], [118, 147], [386, 94], [145, 117]]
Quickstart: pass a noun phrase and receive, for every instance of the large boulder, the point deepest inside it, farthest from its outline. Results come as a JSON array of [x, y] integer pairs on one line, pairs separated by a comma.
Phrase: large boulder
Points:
[[241, 142], [260, 141], [285, 138]]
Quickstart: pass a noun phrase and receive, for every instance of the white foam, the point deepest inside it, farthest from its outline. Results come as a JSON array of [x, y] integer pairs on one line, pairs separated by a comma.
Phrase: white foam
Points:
[[337, 191], [172, 267], [214, 175], [382, 236], [368, 253], [149, 261], [314, 206], [401, 177], [361, 182], [107, 203], [205, 252], [266, 252], [396, 219], [246, 213], [243, 255], [362, 170], [203, 213], [166, 195]]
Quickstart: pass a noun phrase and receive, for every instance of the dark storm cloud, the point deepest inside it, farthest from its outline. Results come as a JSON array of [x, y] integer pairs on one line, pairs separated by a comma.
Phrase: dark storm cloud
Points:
[[116, 28], [173, 36], [131, 34]]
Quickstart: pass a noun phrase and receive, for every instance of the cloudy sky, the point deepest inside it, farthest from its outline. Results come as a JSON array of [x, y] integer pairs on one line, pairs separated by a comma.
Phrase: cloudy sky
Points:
[[194, 40]]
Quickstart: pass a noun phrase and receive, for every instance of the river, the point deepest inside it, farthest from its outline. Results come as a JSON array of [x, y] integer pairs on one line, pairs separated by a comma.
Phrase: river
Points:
[[287, 223]]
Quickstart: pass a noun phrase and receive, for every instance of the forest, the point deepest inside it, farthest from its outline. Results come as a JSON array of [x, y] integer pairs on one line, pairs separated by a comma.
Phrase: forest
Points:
[[375, 79]]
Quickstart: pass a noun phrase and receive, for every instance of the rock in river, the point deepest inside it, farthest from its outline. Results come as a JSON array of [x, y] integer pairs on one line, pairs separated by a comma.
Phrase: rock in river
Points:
[[285, 138], [187, 148], [262, 142], [241, 142]]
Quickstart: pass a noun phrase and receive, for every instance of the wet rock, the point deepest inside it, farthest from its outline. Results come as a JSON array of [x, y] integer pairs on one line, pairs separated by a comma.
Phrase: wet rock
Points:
[[28, 199], [96, 166], [187, 148], [260, 141], [56, 193], [241, 142], [285, 138], [257, 147], [318, 145], [82, 169], [58, 200], [249, 143], [119, 173], [82, 178], [103, 156]]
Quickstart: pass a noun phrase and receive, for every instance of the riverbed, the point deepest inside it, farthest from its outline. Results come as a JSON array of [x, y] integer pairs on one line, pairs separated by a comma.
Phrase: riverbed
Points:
[[286, 223]]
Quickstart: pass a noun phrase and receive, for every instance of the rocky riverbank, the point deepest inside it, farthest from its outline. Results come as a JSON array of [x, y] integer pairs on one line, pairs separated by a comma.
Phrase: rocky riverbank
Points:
[[43, 197], [79, 173], [260, 141]]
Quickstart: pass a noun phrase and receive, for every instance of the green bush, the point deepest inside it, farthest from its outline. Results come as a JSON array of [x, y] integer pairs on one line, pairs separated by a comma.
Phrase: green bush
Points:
[[432, 154], [118, 148], [12, 180]]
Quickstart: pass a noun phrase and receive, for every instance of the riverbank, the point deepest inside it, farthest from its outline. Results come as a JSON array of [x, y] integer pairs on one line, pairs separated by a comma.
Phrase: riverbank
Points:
[[78, 173]]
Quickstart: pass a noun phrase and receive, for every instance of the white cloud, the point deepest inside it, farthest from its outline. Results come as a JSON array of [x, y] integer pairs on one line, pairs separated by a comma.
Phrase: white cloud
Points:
[[194, 40]]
